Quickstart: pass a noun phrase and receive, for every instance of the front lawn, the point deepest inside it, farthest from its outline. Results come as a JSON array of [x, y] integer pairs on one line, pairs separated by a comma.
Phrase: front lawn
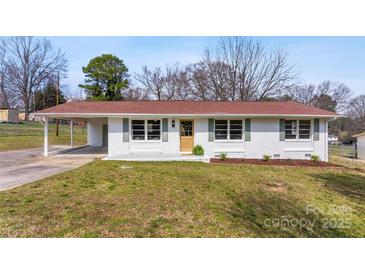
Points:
[[182, 199], [348, 162]]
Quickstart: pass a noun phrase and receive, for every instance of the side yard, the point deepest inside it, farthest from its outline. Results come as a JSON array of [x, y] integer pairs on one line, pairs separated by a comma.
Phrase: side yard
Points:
[[344, 155], [187, 199], [30, 135]]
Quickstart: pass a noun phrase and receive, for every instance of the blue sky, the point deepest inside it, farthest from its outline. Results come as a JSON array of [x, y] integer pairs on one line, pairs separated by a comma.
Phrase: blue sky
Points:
[[316, 58]]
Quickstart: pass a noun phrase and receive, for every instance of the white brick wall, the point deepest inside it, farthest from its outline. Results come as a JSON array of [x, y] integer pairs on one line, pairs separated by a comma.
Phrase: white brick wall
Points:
[[264, 140]]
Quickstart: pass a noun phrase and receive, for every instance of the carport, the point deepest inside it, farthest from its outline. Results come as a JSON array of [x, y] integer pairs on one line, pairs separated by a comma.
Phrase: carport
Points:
[[45, 121], [97, 131]]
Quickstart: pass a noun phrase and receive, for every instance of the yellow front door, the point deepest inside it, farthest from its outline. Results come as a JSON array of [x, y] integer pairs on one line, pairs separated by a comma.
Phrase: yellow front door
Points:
[[186, 136]]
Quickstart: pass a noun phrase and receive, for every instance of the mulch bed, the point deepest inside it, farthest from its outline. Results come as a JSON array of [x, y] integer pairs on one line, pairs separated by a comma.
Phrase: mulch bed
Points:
[[273, 162]]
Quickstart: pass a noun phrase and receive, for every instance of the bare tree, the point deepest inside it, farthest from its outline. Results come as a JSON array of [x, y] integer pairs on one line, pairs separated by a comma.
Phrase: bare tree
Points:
[[328, 95], [176, 83], [356, 107], [217, 76], [29, 63], [302, 93], [237, 69], [339, 92], [356, 112], [152, 81], [4, 98], [135, 94], [172, 83], [241, 69], [198, 83], [77, 94]]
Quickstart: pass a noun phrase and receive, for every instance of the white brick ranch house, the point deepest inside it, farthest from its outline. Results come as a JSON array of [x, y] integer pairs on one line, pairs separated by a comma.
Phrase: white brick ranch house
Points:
[[239, 129]]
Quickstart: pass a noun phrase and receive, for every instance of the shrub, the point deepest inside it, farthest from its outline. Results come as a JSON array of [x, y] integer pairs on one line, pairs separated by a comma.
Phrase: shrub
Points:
[[223, 156], [266, 157], [198, 150], [315, 158]]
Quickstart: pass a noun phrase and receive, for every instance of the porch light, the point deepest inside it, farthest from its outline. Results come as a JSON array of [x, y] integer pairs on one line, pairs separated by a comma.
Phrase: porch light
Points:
[[173, 123]]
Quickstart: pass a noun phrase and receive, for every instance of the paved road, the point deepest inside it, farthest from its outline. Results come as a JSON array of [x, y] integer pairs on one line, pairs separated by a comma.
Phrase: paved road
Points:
[[28, 165]]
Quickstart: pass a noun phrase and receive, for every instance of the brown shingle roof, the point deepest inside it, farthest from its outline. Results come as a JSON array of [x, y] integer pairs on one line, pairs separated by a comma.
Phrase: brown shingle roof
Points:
[[185, 108]]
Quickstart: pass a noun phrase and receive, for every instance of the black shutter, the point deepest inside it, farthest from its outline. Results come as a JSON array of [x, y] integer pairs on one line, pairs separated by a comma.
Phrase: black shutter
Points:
[[282, 129], [125, 130], [165, 135], [316, 130], [247, 129], [210, 130]]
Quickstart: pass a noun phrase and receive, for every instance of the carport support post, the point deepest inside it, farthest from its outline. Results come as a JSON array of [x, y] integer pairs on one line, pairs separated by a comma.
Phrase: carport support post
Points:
[[46, 137], [72, 133]]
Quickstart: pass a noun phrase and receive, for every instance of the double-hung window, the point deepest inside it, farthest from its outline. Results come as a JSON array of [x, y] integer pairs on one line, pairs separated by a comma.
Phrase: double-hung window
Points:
[[138, 130], [304, 129], [228, 129], [140, 127], [221, 129], [297, 129], [235, 129], [153, 129], [290, 129]]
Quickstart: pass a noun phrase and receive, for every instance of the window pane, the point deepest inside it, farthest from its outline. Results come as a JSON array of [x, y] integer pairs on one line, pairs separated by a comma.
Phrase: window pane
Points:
[[153, 130], [290, 129], [186, 128], [221, 129], [304, 129], [138, 132], [235, 129]]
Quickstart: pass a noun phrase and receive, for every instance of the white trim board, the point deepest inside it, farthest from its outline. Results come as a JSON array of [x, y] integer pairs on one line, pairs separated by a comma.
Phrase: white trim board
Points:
[[167, 115]]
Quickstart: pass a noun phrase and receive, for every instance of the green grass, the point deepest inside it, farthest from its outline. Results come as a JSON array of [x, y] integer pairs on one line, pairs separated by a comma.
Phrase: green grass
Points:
[[347, 162], [182, 199], [344, 155], [343, 150], [30, 135]]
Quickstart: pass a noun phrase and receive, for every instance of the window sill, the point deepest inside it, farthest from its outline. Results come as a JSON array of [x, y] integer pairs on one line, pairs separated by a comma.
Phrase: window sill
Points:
[[298, 149], [229, 150], [146, 141], [298, 140], [228, 141]]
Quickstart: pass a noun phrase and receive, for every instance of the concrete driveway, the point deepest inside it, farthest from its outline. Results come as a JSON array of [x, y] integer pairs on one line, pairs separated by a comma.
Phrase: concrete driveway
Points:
[[24, 166]]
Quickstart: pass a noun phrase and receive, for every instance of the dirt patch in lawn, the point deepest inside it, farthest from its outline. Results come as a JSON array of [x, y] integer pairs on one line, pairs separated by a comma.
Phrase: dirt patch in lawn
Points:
[[274, 162], [276, 187]]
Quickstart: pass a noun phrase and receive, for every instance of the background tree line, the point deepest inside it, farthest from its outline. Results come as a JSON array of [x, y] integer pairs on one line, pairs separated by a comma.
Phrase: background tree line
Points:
[[237, 69], [28, 69]]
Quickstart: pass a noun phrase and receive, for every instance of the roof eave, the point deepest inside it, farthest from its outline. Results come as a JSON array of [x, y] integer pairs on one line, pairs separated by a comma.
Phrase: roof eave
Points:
[[90, 115], [359, 135]]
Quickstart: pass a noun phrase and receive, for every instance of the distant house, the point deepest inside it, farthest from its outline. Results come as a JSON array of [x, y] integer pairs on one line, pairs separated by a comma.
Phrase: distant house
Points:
[[360, 145], [9, 115], [21, 115], [332, 139], [239, 129]]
